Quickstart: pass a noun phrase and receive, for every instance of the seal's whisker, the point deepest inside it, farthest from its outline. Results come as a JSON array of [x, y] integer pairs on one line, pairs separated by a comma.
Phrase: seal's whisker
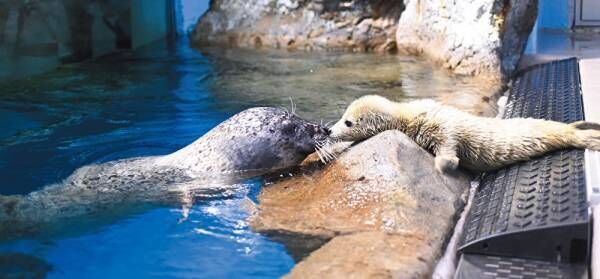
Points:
[[333, 156], [326, 155], [325, 150], [318, 151], [331, 151], [287, 111], [293, 105]]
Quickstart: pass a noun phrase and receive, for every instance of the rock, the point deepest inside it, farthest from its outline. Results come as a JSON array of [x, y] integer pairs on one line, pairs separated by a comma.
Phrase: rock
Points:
[[39, 35], [381, 209], [368, 255], [472, 37], [358, 25]]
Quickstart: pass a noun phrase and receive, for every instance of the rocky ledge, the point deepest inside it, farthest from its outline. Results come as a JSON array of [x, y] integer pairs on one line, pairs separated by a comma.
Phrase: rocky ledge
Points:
[[300, 24], [379, 210], [471, 36], [475, 37]]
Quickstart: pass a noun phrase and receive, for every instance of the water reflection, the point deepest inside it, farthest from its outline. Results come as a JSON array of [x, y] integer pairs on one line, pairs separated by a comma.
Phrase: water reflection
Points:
[[323, 84]]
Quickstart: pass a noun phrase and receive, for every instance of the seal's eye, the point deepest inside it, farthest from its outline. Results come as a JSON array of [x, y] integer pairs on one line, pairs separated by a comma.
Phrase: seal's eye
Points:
[[348, 123], [288, 127]]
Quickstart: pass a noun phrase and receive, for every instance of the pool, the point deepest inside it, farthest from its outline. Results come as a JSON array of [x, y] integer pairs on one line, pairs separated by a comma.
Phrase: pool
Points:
[[155, 101]]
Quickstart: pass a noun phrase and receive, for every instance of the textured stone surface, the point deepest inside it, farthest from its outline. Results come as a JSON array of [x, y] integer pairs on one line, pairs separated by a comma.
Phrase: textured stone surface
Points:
[[301, 24], [382, 206], [470, 36], [38, 35]]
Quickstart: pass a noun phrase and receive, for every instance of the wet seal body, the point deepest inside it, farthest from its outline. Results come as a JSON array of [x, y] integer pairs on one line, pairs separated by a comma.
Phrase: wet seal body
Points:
[[257, 139], [459, 138], [251, 143]]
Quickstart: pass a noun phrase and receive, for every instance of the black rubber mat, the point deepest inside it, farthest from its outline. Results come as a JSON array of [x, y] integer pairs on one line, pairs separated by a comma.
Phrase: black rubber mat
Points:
[[536, 209], [484, 267]]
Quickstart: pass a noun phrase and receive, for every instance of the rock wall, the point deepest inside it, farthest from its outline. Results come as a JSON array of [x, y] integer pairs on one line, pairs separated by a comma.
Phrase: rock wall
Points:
[[469, 36], [150, 20], [38, 35], [475, 37], [379, 210], [359, 25]]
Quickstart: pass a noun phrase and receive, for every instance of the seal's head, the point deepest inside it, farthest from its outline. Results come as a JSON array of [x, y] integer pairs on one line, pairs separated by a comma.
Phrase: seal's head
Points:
[[262, 138], [365, 117]]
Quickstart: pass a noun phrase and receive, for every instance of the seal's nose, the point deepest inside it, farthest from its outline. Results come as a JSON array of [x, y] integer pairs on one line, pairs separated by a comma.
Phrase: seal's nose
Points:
[[319, 130]]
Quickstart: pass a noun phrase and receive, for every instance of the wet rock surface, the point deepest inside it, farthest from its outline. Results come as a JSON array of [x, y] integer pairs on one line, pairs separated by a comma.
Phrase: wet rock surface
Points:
[[471, 37], [301, 24], [380, 209]]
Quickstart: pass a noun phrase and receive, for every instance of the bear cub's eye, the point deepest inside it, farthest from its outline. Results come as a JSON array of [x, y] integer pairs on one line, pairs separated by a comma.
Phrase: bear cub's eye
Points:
[[348, 123]]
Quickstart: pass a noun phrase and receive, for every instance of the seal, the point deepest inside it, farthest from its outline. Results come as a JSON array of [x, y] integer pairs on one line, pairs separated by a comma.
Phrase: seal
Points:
[[459, 138], [250, 143]]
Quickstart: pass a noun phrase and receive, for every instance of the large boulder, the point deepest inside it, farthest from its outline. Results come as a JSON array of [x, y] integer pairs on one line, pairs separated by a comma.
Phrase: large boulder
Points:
[[470, 36], [380, 209], [300, 24]]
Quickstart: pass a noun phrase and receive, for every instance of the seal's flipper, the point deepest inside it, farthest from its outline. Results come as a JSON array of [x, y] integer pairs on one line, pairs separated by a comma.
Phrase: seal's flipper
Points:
[[586, 125], [587, 135]]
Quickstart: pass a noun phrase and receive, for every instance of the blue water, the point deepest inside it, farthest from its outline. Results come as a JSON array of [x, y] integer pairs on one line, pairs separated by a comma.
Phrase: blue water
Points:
[[153, 102]]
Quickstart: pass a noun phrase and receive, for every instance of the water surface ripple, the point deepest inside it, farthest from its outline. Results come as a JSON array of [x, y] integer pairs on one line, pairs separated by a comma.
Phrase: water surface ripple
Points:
[[155, 101]]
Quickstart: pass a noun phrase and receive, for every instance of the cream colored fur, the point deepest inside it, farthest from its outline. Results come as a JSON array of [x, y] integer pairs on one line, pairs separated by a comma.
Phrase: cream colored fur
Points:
[[456, 137]]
